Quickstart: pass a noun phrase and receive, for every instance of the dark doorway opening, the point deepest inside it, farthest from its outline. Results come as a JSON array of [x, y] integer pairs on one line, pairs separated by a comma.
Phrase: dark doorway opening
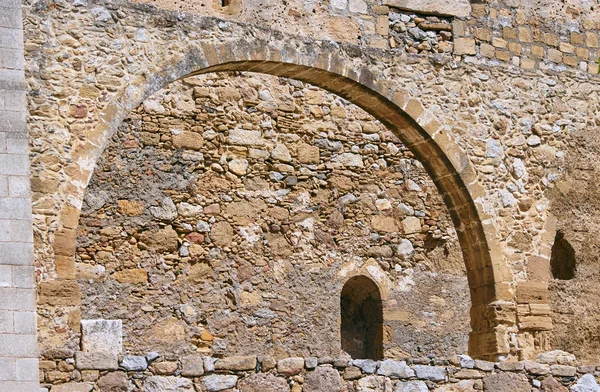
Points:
[[562, 260], [362, 319]]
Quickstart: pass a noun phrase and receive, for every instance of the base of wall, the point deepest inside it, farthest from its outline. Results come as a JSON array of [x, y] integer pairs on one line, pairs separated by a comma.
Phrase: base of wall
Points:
[[87, 371]]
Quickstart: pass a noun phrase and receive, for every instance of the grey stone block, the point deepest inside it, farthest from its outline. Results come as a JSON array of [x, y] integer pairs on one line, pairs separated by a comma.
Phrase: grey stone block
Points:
[[12, 59], [6, 321], [192, 366], [432, 373], [27, 369], [16, 144], [6, 276], [134, 363], [17, 299], [14, 100], [23, 277], [24, 322], [20, 386], [12, 79], [15, 165], [16, 231], [15, 208], [11, 38], [11, 17], [2, 141], [395, 369], [19, 186], [8, 370], [19, 346], [16, 253]]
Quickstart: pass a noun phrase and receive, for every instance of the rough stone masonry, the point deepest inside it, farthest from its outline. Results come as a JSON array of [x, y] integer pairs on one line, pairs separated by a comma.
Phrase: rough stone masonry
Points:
[[195, 232]]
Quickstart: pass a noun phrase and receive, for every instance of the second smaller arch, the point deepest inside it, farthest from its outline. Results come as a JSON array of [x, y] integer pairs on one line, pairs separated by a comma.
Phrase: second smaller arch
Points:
[[362, 319]]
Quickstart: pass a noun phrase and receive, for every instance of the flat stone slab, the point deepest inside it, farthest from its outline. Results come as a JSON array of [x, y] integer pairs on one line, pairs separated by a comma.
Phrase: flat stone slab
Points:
[[459, 8], [102, 336]]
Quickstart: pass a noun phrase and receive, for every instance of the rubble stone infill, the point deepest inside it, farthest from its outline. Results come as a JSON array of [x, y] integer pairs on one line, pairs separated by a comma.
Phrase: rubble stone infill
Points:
[[67, 371]]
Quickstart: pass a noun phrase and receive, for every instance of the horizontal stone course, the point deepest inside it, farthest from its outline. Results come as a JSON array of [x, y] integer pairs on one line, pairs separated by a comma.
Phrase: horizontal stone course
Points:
[[232, 371]]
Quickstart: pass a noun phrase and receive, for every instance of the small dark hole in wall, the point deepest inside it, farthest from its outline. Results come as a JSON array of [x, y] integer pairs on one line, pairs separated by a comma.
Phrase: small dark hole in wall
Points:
[[362, 319], [225, 3], [562, 260]]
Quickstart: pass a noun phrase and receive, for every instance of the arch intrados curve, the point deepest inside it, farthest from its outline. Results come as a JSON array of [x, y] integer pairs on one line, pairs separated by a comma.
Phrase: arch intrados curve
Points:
[[444, 161]]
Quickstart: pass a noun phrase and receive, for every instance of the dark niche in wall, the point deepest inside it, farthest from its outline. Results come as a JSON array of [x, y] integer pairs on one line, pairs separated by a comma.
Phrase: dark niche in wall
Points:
[[362, 319], [562, 260]]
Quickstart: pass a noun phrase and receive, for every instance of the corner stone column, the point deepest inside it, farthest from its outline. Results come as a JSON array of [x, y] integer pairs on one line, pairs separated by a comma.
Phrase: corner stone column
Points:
[[18, 341]]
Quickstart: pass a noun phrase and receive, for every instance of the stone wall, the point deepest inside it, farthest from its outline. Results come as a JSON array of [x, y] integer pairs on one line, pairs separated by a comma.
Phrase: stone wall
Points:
[[530, 35], [514, 125], [86, 371], [18, 343], [229, 210]]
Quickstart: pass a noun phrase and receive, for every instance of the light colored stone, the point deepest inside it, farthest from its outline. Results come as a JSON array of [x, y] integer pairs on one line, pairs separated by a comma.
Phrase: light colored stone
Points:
[[411, 225], [348, 159], [290, 366], [374, 384], [459, 8], [557, 357], [395, 369], [281, 153], [238, 166], [368, 366], [217, 382], [411, 386], [464, 46], [587, 383], [466, 361], [102, 336], [134, 363], [432, 373], [246, 138], [167, 384]]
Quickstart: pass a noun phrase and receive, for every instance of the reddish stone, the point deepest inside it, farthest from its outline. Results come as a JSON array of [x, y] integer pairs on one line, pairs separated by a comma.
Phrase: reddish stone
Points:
[[195, 238], [78, 111]]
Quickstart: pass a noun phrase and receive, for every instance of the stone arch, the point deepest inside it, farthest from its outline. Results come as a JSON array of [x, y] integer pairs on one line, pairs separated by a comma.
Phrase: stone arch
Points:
[[354, 74], [361, 310]]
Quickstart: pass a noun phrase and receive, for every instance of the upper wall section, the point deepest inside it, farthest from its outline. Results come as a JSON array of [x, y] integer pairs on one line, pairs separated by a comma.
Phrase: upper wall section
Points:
[[546, 35]]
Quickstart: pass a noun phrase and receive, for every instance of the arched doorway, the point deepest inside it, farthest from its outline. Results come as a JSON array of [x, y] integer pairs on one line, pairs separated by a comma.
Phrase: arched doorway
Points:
[[362, 319]]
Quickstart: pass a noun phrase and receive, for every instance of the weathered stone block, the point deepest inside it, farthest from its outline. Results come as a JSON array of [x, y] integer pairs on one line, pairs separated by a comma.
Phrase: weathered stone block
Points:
[[323, 379], [432, 373], [168, 384], [395, 369], [96, 360], [290, 366], [464, 46], [236, 363], [102, 336], [192, 366], [261, 382], [215, 382]]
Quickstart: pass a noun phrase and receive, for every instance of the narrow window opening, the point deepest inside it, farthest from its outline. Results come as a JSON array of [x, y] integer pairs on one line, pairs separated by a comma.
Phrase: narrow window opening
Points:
[[225, 3], [362, 319], [562, 260]]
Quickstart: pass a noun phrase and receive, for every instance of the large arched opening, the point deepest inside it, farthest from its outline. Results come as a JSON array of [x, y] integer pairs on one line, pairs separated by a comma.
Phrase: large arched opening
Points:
[[335, 69]]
